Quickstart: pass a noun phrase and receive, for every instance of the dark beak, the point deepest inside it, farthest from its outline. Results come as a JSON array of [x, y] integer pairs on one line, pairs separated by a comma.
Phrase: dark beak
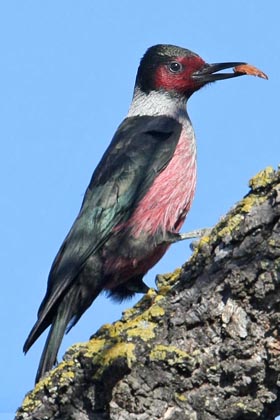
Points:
[[208, 72]]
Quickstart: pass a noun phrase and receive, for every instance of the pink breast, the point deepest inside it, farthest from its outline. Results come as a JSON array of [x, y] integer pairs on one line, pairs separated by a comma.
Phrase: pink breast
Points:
[[163, 208], [168, 201]]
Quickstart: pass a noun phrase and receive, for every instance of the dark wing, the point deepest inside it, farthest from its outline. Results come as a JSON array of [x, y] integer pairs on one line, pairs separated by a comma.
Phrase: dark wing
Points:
[[140, 149]]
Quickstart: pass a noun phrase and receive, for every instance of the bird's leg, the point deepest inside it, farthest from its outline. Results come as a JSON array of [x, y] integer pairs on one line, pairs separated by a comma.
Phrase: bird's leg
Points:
[[197, 233], [172, 237]]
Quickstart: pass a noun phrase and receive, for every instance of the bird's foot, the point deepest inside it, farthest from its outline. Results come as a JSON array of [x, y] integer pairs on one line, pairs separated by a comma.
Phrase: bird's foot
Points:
[[198, 233], [177, 237]]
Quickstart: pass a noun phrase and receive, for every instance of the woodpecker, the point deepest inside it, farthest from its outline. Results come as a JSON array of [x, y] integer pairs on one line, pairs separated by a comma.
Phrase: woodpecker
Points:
[[137, 199]]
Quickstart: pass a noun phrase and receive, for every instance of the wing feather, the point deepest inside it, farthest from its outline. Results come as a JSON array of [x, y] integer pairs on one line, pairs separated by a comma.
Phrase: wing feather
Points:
[[141, 148]]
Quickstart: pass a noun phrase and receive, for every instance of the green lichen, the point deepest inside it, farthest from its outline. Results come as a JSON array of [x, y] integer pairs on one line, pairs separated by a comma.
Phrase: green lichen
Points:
[[145, 322], [66, 376], [104, 328], [104, 352], [139, 321], [252, 200], [150, 295], [180, 397], [231, 225], [240, 405], [166, 281], [272, 243], [30, 402], [147, 299], [128, 313], [116, 351], [112, 339], [120, 350], [155, 312], [204, 239], [136, 327], [141, 326], [170, 354], [94, 346], [143, 330], [232, 221], [164, 290], [45, 382], [247, 203], [262, 179], [202, 243]]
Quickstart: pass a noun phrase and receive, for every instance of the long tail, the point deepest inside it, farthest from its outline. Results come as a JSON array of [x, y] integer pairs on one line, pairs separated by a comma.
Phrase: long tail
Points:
[[54, 339], [60, 319], [68, 312]]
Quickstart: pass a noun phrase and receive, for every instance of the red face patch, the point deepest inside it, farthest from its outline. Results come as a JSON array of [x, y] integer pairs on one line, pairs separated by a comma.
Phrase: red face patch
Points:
[[176, 74]]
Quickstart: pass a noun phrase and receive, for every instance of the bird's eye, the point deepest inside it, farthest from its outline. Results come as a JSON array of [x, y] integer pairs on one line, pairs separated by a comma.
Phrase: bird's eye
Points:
[[175, 67]]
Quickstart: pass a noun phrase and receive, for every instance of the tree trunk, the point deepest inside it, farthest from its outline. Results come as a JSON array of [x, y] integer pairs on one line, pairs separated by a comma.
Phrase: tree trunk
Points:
[[204, 346]]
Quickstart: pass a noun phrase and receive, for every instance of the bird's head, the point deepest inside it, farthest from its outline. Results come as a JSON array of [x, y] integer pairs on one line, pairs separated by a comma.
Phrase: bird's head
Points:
[[178, 71]]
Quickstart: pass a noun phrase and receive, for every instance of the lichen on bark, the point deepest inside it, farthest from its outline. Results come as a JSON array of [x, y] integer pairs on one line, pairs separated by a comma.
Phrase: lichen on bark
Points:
[[204, 346]]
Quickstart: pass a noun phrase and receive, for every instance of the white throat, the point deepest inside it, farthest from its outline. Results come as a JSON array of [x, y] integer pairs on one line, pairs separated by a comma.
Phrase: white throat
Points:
[[157, 103]]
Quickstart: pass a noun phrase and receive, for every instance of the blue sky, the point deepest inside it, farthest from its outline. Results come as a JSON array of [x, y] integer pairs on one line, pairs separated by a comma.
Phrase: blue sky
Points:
[[66, 79]]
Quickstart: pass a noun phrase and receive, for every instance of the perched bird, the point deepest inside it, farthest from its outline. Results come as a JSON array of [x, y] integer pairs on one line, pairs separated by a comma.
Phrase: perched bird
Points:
[[137, 199]]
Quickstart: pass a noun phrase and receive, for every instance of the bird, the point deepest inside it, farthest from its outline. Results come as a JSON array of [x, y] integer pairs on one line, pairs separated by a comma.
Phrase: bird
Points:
[[137, 199]]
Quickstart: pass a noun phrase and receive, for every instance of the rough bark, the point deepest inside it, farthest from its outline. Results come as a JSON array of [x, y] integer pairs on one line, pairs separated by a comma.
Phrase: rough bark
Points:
[[205, 346]]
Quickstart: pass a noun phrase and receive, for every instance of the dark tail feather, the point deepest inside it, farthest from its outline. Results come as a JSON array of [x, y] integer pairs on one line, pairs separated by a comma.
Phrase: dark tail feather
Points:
[[62, 314], [70, 309], [55, 336], [59, 324]]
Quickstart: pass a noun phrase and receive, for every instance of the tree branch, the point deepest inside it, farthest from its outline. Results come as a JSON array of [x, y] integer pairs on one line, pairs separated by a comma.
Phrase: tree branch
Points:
[[205, 346]]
